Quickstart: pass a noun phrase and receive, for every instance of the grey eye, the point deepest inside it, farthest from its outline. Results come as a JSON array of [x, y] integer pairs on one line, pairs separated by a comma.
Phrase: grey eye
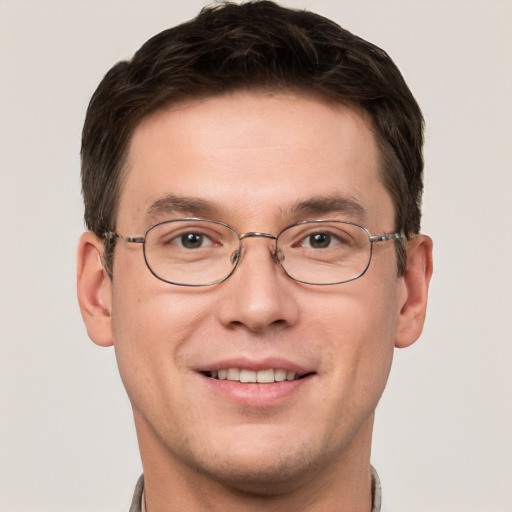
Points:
[[192, 240], [319, 240]]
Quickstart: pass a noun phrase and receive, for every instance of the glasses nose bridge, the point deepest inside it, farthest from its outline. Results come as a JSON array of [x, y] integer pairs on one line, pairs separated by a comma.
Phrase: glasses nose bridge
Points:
[[256, 234]]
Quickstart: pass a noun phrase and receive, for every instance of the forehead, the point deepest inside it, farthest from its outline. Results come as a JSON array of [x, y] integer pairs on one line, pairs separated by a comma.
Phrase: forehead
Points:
[[251, 156]]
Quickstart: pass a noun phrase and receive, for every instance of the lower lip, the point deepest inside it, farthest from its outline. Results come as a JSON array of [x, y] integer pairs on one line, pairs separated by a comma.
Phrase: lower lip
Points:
[[255, 394]]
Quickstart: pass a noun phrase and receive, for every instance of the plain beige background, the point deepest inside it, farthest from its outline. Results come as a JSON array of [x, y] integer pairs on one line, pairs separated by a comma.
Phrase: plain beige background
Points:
[[443, 430]]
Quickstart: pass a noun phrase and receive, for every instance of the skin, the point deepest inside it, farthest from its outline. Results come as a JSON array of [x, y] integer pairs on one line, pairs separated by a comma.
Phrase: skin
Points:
[[254, 155]]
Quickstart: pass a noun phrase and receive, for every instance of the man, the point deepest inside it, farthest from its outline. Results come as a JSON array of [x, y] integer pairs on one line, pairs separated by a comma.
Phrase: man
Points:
[[252, 183]]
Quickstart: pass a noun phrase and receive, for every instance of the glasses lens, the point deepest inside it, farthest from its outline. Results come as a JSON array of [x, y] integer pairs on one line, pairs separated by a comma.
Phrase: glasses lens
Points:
[[191, 252], [324, 252]]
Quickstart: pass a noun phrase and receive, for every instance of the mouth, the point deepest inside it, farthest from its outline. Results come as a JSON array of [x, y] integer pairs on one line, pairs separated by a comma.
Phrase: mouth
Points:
[[258, 384], [247, 376]]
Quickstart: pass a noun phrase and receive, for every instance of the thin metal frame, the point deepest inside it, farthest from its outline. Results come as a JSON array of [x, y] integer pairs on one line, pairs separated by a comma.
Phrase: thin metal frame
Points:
[[253, 234]]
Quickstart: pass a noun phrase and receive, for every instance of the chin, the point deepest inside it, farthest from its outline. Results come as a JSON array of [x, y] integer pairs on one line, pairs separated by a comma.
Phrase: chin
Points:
[[265, 472]]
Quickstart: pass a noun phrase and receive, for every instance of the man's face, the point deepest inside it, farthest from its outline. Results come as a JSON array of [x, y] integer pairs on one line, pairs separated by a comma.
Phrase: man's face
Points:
[[253, 159]]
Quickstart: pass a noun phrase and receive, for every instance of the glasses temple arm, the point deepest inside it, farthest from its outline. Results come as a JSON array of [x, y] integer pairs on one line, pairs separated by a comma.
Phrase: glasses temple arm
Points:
[[385, 238], [128, 239]]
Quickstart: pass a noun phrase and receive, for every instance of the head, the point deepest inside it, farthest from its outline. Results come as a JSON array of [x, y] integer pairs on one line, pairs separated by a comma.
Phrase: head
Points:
[[259, 117], [254, 46]]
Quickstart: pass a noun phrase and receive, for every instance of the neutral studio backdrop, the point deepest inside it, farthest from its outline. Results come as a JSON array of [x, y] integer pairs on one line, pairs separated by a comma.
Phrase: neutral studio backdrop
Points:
[[443, 429]]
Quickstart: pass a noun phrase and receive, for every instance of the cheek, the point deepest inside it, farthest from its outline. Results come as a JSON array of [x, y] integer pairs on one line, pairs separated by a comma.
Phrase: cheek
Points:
[[151, 326], [146, 312], [356, 332]]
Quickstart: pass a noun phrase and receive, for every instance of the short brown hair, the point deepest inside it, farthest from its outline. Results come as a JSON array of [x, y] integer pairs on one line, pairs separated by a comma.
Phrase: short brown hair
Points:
[[262, 45]]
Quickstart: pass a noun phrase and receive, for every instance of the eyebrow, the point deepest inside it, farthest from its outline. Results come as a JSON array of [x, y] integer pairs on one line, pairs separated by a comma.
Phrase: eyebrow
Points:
[[323, 205], [171, 204], [189, 206]]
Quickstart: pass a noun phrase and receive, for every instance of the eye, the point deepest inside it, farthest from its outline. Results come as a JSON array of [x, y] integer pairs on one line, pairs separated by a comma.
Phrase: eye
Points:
[[192, 240], [318, 240], [189, 237], [323, 240]]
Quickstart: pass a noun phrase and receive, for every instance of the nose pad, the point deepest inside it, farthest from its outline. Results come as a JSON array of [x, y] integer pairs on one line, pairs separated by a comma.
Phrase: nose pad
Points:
[[235, 257]]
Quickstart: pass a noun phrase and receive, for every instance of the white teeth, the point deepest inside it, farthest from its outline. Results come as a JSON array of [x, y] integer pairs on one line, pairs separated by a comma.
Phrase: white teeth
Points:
[[265, 376], [262, 376], [247, 376], [233, 374], [280, 375]]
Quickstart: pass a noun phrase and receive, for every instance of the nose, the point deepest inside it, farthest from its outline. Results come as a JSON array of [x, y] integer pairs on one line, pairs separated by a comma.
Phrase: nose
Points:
[[259, 295]]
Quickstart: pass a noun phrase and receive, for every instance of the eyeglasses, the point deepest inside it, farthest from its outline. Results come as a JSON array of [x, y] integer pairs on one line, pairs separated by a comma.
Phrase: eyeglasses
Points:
[[198, 252]]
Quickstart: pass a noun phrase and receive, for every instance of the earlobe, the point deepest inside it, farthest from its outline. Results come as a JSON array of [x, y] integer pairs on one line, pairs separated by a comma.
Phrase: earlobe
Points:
[[416, 280], [94, 290]]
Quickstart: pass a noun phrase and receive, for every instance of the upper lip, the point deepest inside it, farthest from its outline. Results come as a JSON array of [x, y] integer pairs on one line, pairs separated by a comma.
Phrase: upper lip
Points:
[[255, 365]]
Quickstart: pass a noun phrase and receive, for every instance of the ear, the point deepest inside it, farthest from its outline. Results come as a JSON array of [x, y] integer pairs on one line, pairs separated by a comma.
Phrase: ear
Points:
[[415, 282], [94, 290]]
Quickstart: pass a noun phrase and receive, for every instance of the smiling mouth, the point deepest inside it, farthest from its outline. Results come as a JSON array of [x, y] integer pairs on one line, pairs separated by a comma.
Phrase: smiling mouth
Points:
[[243, 375]]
